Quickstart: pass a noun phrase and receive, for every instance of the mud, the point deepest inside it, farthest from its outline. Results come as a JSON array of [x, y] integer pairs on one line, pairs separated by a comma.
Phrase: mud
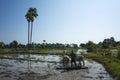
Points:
[[43, 67]]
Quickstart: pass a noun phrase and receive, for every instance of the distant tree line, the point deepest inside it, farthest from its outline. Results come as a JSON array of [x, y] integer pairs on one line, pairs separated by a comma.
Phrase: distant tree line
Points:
[[106, 44], [15, 44], [108, 47]]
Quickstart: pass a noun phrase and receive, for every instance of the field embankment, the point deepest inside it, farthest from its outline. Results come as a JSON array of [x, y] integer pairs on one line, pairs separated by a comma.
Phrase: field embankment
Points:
[[112, 65]]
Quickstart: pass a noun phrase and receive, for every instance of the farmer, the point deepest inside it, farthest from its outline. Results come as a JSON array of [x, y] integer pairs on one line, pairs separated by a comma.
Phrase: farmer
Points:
[[73, 58]]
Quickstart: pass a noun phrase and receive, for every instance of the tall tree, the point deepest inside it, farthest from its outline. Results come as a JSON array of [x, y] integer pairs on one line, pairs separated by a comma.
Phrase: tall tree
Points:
[[33, 12], [30, 15]]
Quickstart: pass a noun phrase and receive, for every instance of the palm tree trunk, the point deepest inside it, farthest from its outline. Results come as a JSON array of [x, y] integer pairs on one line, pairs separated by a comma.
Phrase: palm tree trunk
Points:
[[28, 33], [31, 32]]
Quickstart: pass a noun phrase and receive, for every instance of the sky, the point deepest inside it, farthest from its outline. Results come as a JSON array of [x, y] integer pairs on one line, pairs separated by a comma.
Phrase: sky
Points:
[[60, 21]]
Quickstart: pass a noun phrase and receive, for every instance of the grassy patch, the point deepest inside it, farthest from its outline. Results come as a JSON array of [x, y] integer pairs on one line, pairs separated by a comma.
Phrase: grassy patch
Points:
[[56, 51]]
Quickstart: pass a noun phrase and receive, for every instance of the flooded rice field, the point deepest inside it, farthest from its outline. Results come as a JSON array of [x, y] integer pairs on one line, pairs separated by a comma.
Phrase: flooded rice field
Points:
[[43, 67]]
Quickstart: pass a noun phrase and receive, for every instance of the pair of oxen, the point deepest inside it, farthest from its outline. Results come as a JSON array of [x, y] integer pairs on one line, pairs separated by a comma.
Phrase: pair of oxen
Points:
[[79, 61]]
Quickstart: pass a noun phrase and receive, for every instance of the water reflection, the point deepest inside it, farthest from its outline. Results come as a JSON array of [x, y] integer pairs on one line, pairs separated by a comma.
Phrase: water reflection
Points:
[[96, 71]]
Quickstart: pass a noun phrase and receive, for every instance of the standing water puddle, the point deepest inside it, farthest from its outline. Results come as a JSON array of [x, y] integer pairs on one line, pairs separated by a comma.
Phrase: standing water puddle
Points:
[[42, 67]]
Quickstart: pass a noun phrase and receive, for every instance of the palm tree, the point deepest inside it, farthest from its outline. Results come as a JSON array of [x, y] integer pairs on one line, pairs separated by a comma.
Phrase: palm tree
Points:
[[31, 14], [28, 19]]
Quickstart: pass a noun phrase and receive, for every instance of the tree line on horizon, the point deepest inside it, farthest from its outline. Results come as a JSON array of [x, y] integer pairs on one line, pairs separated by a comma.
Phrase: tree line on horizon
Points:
[[108, 47], [105, 44], [90, 45], [15, 44]]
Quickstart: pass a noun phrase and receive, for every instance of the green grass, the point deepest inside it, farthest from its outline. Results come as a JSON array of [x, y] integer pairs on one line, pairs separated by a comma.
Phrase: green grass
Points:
[[37, 51], [112, 65]]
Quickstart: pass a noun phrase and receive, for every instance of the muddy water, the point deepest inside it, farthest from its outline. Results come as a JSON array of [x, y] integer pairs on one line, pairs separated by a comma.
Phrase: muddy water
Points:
[[42, 67]]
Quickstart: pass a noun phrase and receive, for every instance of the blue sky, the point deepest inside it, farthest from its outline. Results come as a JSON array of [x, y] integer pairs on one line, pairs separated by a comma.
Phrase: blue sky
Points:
[[62, 21]]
